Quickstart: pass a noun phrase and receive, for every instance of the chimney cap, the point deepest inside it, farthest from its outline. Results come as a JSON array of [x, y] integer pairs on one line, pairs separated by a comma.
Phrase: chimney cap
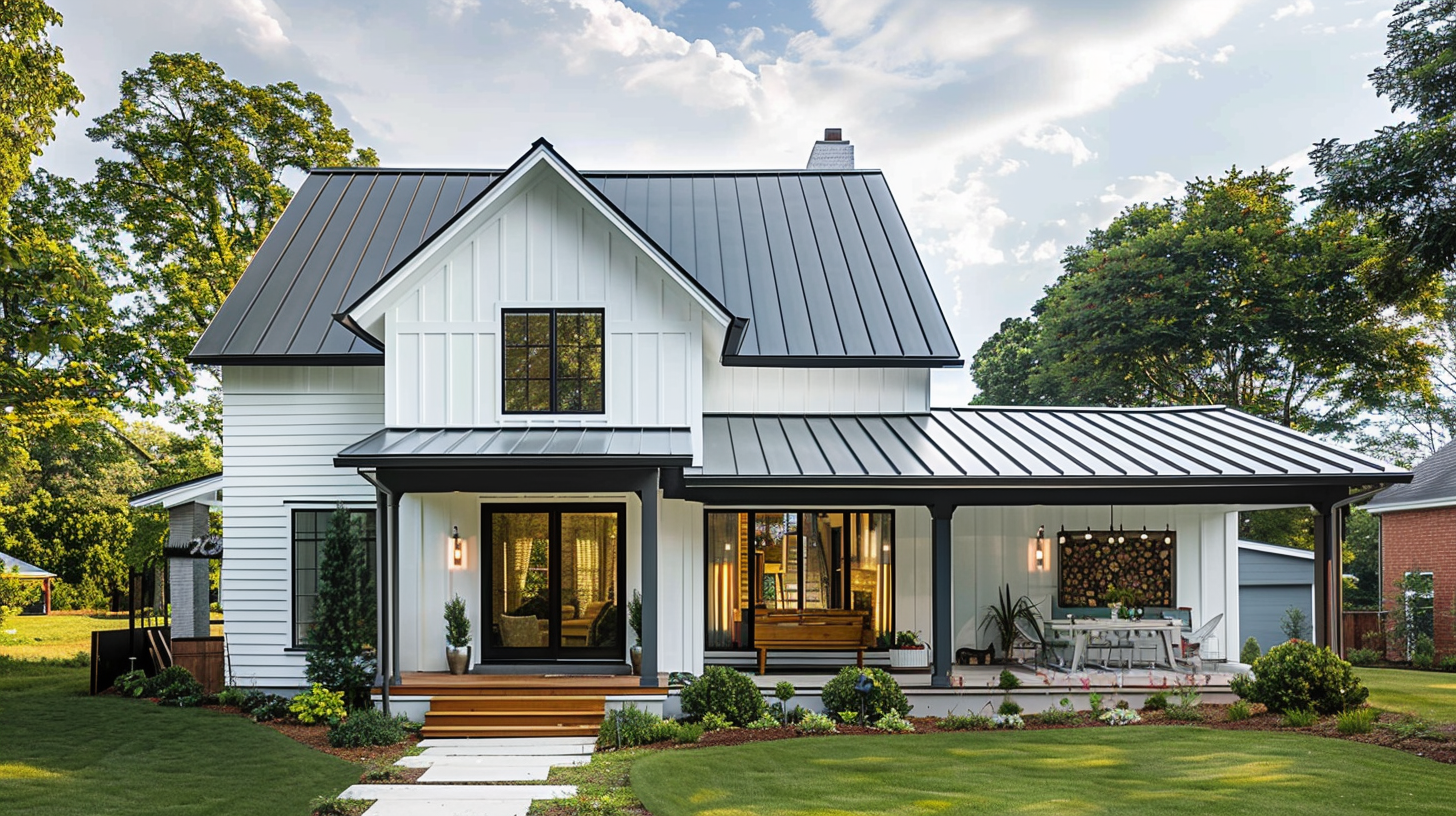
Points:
[[833, 134]]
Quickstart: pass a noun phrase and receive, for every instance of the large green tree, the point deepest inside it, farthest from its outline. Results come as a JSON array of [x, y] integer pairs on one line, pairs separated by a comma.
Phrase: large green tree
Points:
[[1219, 297], [200, 178], [33, 88], [1402, 177]]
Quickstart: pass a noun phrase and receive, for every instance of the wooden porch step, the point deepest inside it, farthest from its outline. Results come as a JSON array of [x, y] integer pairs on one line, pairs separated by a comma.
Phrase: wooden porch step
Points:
[[523, 689], [515, 718], [519, 702], [448, 731]]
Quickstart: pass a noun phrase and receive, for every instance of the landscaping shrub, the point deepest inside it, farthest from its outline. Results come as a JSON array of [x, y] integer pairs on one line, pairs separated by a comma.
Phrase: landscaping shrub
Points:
[[1008, 721], [334, 806], [1356, 721], [1157, 701], [839, 694], [632, 726], [343, 612], [713, 721], [131, 684], [766, 721], [1423, 654], [1250, 652], [382, 773], [848, 717], [1064, 713], [1300, 675], [1294, 624], [1239, 710], [1008, 707], [784, 691], [1183, 713], [894, 723], [1094, 702], [687, 732], [368, 726], [965, 722], [1120, 716], [1409, 727], [1299, 718], [1448, 663], [318, 705], [815, 723], [1008, 681], [726, 692], [270, 707], [1364, 657], [174, 684]]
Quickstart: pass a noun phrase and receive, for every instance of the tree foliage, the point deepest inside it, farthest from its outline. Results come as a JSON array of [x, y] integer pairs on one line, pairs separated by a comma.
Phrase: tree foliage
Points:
[[33, 88], [200, 181], [344, 624], [1218, 297], [1402, 177]]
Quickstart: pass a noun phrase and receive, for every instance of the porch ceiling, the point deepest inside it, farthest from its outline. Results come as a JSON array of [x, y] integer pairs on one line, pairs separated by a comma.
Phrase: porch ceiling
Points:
[[520, 447], [1025, 447]]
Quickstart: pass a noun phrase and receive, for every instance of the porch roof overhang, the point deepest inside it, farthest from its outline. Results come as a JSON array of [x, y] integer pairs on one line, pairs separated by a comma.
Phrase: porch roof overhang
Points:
[[1020, 456], [519, 447]]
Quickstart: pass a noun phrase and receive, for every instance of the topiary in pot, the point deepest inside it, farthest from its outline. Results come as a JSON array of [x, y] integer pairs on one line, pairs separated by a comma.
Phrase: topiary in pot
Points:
[[457, 636], [839, 695], [1299, 676], [726, 692]]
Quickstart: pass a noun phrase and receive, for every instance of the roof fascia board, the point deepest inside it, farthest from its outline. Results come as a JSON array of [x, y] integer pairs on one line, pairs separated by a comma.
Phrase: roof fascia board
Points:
[[367, 312], [1276, 549], [202, 490], [1427, 504]]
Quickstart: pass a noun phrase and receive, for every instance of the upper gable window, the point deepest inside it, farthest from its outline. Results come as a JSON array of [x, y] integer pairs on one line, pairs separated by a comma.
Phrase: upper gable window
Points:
[[553, 361]]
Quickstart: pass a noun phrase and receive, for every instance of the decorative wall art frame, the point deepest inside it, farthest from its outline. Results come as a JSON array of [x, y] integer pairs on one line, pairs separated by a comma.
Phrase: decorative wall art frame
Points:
[[1090, 562]]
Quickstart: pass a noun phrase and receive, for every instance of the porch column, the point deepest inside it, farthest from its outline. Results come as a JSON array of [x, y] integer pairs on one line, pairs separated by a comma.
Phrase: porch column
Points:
[[942, 639], [381, 604], [1328, 577], [648, 492], [393, 575]]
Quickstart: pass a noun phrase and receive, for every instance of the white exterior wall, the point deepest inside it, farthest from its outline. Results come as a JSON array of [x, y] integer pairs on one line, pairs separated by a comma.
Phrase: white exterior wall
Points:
[[545, 246], [281, 429]]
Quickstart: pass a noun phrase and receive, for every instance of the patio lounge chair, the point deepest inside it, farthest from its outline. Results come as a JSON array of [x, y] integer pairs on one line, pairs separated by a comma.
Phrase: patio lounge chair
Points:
[[1046, 648], [1193, 641]]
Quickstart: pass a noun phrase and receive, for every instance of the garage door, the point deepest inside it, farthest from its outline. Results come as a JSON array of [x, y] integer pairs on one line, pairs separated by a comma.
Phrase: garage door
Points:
[[1262, 607]]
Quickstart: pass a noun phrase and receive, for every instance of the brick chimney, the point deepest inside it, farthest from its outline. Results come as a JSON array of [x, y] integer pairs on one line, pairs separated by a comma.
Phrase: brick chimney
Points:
[[832, 152]]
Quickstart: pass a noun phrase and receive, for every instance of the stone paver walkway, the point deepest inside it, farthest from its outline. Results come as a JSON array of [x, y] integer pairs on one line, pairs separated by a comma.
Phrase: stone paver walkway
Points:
[[462, 761]]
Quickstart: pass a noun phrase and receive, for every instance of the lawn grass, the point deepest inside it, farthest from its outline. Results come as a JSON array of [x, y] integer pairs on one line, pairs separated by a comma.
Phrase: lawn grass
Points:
[[65, 753], [58, 635], [1164, 770], [1430, 695]]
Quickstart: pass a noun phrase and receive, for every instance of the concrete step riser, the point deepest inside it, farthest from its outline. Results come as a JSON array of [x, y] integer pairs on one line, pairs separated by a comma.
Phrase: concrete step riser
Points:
[[448, 731]]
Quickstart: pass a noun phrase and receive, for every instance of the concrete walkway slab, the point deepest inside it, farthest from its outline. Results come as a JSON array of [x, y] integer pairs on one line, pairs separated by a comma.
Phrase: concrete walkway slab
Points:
[[430, 758], [448, 807], [484, 773], [479, 793]]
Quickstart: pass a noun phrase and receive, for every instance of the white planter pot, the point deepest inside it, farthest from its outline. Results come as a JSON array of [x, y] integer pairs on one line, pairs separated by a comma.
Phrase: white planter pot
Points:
[[910, 658]]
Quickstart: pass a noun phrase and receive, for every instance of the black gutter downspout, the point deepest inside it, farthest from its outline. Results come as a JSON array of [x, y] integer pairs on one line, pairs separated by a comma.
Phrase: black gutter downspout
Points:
[[942, 639], [382, 495]]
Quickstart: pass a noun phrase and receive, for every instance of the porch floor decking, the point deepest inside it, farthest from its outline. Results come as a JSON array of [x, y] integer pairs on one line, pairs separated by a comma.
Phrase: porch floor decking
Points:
[[437, 684], [985, 678]]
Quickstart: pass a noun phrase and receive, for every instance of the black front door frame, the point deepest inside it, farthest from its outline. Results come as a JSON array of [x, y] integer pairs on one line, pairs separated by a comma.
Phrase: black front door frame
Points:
[[553, 651]]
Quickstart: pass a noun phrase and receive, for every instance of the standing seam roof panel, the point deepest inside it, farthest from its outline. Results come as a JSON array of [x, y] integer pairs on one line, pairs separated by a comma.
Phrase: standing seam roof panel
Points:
[[708, 260], [959, 449], [736, 294], [1287, 437], [837, 450], [684, 238], [863, 446], [767, 325], [1122, 435], [1201, 459], [788, 276], [777, 452], [1079, 436], [747, 447], [805, 448], [1234, 439], [1008, 446], [876, 312], [886, 269], [316, 323], [853, 332], [1216, 448], [914, 435], [820, 308], [912, 272]]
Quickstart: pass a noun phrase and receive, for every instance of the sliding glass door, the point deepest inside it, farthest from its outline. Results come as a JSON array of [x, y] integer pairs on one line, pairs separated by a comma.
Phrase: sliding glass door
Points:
[[554, 576], [765, 562]]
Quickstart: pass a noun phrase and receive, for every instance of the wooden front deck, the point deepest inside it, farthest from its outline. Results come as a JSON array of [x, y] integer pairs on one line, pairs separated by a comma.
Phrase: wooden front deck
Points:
[[433, 684]]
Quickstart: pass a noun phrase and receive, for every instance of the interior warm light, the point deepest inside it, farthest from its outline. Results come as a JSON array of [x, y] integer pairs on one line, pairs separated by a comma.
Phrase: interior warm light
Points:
[[1041, 547], [457, 551]]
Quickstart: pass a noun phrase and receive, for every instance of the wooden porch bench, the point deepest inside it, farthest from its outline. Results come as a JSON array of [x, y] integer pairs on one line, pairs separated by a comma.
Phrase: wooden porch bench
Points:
[[830, 630]]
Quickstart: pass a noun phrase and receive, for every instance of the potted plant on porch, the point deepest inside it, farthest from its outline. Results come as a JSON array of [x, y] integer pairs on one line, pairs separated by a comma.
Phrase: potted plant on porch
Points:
[[457, 636], [1001, 618], [634, 620], [908, 652]]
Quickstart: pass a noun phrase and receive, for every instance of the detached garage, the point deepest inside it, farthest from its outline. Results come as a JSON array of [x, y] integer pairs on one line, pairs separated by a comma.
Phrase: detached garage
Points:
[[1272, 578]]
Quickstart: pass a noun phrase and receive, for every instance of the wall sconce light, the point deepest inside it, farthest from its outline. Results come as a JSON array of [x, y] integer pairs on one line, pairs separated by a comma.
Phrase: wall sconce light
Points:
[[457, 549], [1041, 547]]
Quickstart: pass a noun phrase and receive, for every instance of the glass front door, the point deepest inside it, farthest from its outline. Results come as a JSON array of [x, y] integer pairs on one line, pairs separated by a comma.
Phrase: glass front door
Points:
[[554, 578]]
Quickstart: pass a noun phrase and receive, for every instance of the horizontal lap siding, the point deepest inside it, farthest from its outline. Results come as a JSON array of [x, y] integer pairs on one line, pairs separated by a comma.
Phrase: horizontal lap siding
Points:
[[281, 429]]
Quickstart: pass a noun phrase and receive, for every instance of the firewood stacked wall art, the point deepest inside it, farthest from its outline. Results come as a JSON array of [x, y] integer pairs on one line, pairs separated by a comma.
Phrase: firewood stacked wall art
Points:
[[1091, 563]]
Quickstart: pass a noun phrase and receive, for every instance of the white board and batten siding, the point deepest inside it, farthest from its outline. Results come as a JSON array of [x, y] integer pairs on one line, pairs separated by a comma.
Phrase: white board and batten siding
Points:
[[282, 427], [546, 246]]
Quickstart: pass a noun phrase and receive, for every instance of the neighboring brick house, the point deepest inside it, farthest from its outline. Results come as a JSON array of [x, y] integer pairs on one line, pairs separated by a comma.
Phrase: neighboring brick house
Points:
[[1418, 534]]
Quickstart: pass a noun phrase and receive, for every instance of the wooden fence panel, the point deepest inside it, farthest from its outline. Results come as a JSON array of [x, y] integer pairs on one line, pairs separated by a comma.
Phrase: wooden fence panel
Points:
[[1358, 624]]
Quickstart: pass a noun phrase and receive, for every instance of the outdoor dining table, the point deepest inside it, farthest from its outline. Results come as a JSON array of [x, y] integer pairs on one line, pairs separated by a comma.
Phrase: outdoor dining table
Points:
[[1167, 632]]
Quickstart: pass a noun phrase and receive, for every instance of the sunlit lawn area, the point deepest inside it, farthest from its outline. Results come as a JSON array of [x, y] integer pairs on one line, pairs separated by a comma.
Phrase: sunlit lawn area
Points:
[[61, 634], [1431, 695], [1162, 771], [63, 752]]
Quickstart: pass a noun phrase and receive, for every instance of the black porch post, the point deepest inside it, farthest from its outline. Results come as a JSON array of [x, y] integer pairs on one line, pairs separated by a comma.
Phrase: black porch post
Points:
[[1328, 577], [942, 639], [648, 493], [381, 533], [393, 559]]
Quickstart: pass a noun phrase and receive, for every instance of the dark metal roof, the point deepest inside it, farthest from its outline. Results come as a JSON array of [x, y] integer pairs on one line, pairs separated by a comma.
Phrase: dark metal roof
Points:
[[820, 263], [1000, 446], [516, 447], [1434, 484]]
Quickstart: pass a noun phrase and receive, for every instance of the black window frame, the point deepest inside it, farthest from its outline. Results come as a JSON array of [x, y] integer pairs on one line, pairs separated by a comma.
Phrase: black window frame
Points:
[[320, 531], [555, 408]]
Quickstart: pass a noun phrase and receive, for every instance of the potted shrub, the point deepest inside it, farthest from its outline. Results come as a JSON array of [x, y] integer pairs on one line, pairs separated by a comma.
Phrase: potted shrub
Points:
[[634, 620], [457, 636], [1001, 618], [907, 652]]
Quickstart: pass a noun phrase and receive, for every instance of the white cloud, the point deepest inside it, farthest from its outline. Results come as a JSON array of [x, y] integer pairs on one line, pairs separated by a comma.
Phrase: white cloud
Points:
[[1222, 54], [1056, 140], [1299, 8], [663, 7], [1009, 166], [260, 30], [1045, 251], [1143, 188], [453, 10]]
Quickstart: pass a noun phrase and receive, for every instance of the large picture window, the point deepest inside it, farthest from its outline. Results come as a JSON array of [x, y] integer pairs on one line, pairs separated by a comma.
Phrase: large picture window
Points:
[[553, 361], [310, 528], [765, 562]]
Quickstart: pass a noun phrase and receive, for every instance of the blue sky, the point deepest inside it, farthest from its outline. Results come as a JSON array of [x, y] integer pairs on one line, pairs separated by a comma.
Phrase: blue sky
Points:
[[1006, 129]]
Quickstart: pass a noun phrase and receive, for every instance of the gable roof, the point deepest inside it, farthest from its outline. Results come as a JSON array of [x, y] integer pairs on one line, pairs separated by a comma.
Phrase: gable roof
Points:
[[9, 562], [818, 264], [1434, 485], [203, 489]]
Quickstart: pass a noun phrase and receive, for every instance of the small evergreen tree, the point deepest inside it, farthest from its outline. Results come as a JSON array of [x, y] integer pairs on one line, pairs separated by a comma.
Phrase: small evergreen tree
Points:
[[342, 653]]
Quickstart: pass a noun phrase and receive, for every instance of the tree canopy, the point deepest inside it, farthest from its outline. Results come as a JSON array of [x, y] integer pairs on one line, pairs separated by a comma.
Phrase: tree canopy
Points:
[[1218, 297], [33, 88]]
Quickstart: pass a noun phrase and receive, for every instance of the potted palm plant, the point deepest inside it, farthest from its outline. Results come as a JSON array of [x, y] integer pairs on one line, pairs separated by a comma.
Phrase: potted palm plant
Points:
[[908, 652], [457, 636], [634, 620], [1001, 618]]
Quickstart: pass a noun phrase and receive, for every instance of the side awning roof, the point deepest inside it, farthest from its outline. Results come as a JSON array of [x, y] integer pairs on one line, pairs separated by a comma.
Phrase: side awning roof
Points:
[[10, 562], [520, 447], [204, 489]]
